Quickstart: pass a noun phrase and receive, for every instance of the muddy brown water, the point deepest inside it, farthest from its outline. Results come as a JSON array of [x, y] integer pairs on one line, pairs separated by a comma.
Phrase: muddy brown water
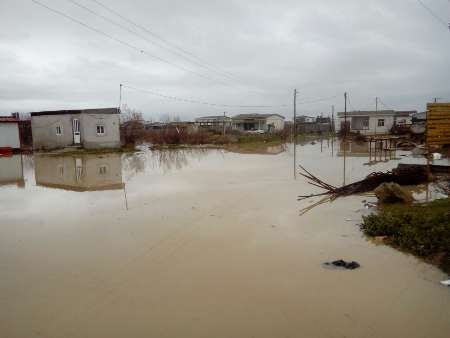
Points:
[[201, 243]]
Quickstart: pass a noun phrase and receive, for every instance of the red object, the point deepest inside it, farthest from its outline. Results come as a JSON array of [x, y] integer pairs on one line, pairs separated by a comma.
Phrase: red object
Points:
[[8, 119], [6, 151]]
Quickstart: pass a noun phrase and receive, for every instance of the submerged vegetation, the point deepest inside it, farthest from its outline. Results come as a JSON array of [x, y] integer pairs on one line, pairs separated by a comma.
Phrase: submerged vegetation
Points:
[[421, 229]]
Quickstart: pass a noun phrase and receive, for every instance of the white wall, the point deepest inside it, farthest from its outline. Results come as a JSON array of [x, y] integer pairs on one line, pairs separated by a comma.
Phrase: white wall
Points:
[[375, 129], [277, 121], [89, 137], [9, 135], [44, 131]]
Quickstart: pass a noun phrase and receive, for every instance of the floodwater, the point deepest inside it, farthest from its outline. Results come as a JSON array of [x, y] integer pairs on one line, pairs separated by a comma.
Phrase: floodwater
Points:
[[202, 243]]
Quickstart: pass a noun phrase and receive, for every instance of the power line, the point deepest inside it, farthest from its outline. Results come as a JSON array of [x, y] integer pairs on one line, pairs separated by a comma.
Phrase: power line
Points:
[[433, 14], [318, 100], [349, 103], [142, 51], [182, 99], [156, 36], [384, 105], [140, 35]]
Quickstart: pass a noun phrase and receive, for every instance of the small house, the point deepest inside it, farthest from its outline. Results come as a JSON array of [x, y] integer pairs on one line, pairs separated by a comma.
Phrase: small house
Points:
[[263, 122], [88, 128], [368, 122], [9, 133]]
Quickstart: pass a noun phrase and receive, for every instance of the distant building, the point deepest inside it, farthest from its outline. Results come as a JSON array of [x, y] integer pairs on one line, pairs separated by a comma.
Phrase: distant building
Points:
[[404, 118], [308, 124], [305, 119], [89, 128], [264, 122], [215, 123], [9, 132], [374, 122]]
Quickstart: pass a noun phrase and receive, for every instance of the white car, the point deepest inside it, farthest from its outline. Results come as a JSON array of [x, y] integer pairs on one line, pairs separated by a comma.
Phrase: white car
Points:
[[257, 131]]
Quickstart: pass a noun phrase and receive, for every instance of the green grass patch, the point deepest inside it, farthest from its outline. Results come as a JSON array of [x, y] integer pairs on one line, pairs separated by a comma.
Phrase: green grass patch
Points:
[[421, 229]]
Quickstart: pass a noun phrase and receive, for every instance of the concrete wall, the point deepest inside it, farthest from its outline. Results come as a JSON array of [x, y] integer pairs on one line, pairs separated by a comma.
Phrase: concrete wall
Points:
[[44, 131], [88, 128], [373, 129], [9, 135]]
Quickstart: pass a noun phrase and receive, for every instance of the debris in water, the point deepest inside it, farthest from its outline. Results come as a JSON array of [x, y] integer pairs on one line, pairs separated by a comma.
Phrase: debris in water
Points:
[[340, 263], [369, 205], [408, 175], [393, 193], [446, 282]]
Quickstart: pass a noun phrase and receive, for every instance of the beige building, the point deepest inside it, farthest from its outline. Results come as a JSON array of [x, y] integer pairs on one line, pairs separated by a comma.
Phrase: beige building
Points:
[[88, 128], [258, 122]]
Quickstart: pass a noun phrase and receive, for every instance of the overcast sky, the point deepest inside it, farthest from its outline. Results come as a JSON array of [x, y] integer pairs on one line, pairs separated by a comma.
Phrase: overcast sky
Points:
[[236, 53]]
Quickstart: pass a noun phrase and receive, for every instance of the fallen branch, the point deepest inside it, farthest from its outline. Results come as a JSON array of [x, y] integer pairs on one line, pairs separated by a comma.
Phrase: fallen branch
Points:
[[410, 175]]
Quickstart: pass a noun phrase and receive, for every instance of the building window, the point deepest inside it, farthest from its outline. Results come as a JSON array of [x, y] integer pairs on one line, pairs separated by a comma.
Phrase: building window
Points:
[[100, 130], [59, 130], [380, 122]]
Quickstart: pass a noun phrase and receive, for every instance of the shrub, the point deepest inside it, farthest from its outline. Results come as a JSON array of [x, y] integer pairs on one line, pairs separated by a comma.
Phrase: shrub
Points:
[[422, 229]]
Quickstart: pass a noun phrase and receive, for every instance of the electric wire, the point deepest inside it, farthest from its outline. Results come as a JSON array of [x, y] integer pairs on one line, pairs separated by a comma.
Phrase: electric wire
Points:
[[131, 46], [115, 23], [157, 36], [182, 99], [434, 15]]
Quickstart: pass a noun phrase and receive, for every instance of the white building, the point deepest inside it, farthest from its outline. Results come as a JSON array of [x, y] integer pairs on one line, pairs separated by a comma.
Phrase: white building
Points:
[[265, 122], [368, 122], [9, 132]]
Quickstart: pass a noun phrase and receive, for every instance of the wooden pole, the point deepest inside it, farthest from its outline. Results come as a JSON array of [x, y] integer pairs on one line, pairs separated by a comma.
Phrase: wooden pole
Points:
[[295, 133]]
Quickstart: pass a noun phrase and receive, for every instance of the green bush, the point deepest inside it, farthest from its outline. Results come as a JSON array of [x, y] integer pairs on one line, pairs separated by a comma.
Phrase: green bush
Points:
[[422, 229]]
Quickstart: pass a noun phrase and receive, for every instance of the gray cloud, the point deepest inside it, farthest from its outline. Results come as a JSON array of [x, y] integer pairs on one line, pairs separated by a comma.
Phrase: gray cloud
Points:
[[391, 49]]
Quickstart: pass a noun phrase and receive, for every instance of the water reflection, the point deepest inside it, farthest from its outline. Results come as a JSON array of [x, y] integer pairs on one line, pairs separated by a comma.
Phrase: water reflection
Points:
[[166, 160], [11, 171], [259, 149], [80, 172]]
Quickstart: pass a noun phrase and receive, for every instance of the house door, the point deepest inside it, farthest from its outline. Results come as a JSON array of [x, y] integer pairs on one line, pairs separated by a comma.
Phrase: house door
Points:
[[76, 131]]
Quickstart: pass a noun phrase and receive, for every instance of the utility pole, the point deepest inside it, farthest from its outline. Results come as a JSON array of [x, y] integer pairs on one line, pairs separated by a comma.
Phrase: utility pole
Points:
[[295, 133], [224, 116], [345, 116], [332, 119], [120, 97], [376, 114]]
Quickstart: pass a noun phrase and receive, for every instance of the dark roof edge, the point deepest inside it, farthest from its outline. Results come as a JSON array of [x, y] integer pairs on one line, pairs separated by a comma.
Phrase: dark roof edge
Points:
[[77, 111]]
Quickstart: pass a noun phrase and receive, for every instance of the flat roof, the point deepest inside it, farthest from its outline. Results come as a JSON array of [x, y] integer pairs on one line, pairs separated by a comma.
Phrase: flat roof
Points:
[[367, 113], [77, 111], [256, 116], [216, 117]]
